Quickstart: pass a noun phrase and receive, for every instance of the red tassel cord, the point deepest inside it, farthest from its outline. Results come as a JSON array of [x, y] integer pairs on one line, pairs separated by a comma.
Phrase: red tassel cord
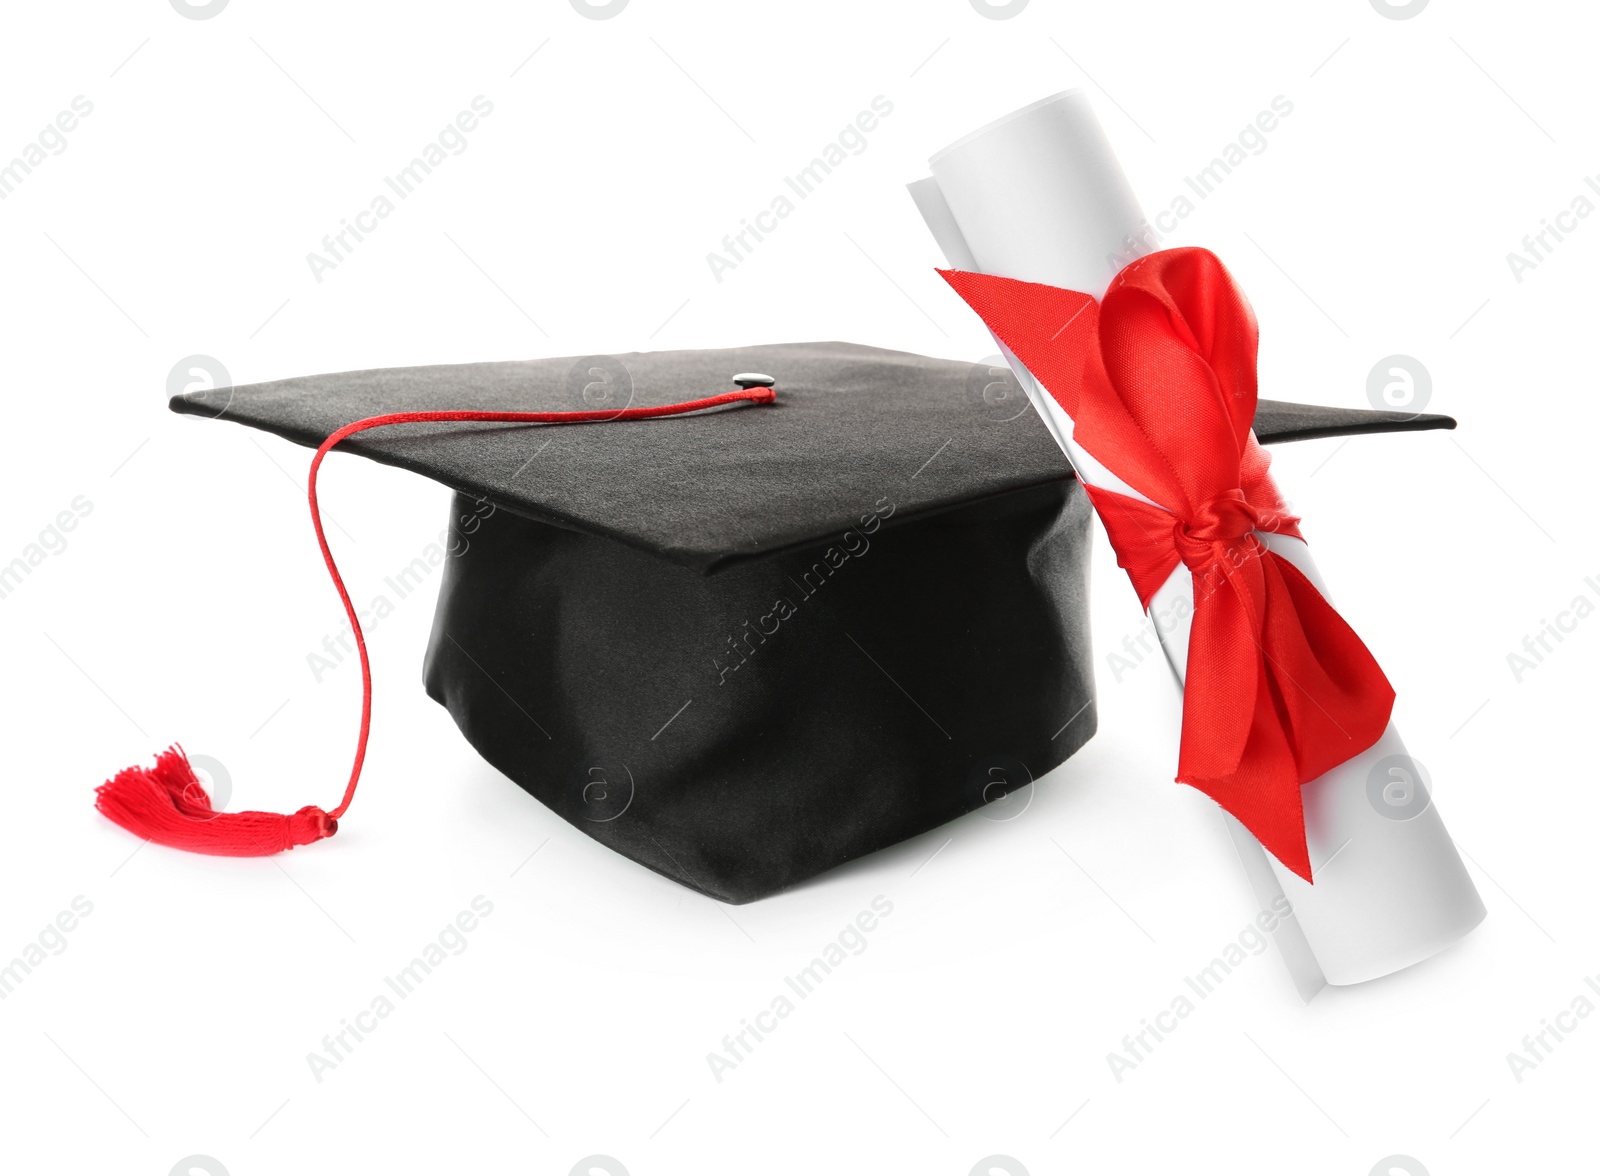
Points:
[[167, 803]]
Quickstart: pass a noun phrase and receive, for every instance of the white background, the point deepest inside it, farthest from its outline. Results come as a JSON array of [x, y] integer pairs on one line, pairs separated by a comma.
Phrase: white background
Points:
[[178, 1018]]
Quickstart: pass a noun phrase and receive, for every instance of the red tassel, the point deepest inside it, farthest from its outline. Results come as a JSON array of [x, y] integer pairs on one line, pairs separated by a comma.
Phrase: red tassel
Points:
[[167, 804]]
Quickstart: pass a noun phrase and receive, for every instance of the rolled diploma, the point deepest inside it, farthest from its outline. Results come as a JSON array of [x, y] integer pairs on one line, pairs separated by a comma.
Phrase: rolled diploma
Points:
[[1039, 196]]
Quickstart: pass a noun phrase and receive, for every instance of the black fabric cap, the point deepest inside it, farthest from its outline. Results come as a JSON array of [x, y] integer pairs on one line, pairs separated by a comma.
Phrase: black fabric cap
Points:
[[895, 632]]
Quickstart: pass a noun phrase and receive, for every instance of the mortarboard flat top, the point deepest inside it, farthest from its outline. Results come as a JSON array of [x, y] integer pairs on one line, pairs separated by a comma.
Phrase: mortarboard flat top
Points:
[[850, 423]]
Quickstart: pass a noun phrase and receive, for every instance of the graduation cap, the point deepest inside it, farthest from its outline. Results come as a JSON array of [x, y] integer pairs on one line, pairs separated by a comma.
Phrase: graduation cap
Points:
[[793, 622]]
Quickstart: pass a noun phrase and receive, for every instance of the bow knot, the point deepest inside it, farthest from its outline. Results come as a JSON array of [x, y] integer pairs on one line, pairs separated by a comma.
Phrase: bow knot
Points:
[[1214, 530], [1159, 379]]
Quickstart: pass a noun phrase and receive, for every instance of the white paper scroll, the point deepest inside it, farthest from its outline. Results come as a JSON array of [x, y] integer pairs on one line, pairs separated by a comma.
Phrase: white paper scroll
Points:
[[1039, 196]]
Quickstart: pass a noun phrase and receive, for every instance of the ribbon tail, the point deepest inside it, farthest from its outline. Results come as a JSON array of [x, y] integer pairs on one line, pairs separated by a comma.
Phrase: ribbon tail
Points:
[[1223, 685], [1234, 745], [1321, 699], [1336, 699], [1262, 793]]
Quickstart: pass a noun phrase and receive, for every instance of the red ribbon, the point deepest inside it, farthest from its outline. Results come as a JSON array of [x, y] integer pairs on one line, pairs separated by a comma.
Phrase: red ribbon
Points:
[[1159, 379]]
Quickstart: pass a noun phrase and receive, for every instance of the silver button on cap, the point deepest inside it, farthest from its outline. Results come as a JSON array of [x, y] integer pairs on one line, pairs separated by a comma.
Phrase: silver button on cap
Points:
[[754, 380]]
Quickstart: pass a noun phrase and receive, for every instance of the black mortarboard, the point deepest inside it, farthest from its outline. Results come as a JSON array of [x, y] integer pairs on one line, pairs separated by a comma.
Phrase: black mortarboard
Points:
[[744, 646]]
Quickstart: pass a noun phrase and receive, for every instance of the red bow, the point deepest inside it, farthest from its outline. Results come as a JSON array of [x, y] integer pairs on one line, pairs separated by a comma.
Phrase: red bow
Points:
[[1160, 382]]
